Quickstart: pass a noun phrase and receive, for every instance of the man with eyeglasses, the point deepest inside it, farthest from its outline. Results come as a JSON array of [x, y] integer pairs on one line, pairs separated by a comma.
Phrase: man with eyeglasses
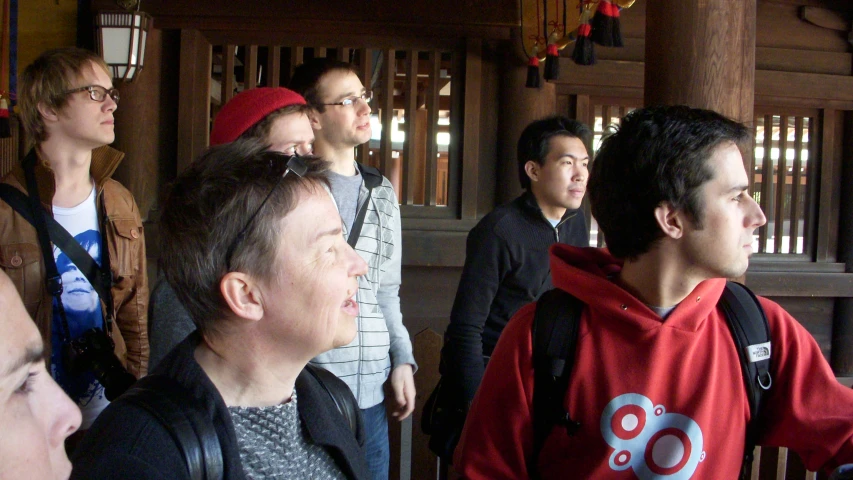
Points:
[[371, 216], [66, 100]]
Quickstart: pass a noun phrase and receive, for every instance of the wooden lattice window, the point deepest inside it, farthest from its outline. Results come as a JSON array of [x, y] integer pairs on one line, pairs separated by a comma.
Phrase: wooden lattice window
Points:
[[606, 113], [783, 181]]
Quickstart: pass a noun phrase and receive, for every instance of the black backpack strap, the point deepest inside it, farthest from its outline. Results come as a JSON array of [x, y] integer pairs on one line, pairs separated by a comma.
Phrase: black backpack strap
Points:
[[555, 336], [340, 393], [183, 416], [751, 335], [372, 178]]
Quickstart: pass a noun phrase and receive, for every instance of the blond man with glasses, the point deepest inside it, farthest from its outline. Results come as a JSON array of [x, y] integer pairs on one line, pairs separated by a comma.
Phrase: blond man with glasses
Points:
[[66, 102]]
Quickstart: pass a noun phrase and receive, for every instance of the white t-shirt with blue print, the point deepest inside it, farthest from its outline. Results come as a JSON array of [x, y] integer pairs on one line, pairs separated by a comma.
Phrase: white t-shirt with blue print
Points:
[[82, 306]]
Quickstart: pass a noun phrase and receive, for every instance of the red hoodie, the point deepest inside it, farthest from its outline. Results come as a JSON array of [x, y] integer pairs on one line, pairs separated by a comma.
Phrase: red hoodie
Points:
[[655, 399]]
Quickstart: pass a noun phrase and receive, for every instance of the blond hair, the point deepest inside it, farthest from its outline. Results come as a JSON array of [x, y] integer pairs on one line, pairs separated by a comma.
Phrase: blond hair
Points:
[[45, 82]]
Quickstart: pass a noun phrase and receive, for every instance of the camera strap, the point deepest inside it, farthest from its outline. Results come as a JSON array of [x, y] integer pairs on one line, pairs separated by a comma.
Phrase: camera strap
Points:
[[47, 229]]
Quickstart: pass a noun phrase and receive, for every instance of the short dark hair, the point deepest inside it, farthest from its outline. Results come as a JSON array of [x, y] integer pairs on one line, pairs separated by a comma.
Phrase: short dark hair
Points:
[[657, 155], [209, 204], [534, 141], [306, 78]]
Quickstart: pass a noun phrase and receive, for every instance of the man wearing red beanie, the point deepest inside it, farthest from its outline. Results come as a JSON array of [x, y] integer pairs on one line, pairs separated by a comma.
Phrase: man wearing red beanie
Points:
[[371, 216], [277, 116]]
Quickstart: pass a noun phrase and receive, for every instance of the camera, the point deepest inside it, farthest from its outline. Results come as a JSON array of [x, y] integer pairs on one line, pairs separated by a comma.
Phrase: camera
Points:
[[94, 352]]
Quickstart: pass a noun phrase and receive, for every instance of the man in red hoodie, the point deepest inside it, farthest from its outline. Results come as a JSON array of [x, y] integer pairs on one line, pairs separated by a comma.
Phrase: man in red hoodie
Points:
[[657, 386]]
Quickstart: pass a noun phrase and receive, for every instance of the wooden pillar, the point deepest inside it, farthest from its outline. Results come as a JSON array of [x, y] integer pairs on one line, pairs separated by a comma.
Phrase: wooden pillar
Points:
[[518, 107], [702, 54], [138, 129], [194, 107], [842, 329]]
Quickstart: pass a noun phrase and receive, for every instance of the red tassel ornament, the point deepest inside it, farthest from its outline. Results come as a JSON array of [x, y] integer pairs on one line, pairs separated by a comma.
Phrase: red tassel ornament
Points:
[[552, 63], [584, 52], [5, 128], [533, 72], [606, 30]]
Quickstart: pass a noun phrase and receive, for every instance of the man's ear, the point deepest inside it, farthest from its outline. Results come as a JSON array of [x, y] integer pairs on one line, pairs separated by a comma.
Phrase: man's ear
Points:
[[670, 220], [242, 295], [532, 170], [314, 118], [47, 113]]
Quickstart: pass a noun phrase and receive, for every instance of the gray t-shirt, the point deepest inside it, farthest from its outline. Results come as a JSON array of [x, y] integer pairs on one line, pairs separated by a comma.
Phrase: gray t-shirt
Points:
[[345, 190], [274, 444]]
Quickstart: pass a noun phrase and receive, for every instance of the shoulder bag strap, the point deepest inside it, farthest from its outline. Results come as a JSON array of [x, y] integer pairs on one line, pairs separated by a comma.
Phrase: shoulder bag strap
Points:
[[340, 393], [369, 176], [180, 413], [48, 229], [555, 336], [352, 239], [751, 335]]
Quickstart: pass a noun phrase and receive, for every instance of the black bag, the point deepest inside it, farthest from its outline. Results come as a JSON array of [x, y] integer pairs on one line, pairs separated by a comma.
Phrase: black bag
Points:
[[443, 418]]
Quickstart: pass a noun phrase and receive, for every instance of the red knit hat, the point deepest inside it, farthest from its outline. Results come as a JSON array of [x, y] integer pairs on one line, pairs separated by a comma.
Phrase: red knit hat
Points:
[[248, 108]]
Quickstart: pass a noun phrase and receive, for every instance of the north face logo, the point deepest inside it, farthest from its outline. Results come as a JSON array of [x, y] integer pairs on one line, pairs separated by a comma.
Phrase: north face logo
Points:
[[759, 352]]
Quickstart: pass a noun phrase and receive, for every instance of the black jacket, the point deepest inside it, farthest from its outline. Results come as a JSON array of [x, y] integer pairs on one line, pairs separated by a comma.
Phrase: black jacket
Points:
[[126, 442], [506, 267]]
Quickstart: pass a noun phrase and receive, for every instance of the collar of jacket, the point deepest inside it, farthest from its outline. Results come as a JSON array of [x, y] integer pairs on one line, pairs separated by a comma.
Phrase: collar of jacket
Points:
[[104, 162], [529, 204]]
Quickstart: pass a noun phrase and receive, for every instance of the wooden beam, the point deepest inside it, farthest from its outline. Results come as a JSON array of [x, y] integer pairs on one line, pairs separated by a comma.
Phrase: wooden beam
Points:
[[605, 73], [625, 79], [830, 184], [434, 13], [250, 68], [456, 155], [274, 66], [432, 119], [804, 85], [387, 115], [471, 128], [842, 328], [798, 284], [365, 69], [427, 350], [430, 248], [386, 35], [194, 103], [227, 74], [825, 18], [407, 196]]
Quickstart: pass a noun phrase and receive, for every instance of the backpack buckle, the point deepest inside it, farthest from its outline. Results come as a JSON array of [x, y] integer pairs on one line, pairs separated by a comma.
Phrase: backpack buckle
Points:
[[764, 384]]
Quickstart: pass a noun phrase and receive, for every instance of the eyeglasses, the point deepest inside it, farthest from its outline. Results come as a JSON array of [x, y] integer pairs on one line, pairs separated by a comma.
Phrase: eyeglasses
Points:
[[296, 165], [366, 97], [97, 93]]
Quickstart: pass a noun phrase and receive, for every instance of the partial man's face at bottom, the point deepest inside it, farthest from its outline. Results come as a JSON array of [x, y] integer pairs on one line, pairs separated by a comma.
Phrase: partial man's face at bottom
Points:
[[36, 416]]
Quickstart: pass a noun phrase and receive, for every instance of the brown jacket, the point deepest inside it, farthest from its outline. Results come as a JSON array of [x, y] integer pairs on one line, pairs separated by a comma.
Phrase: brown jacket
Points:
[[21, 257]]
